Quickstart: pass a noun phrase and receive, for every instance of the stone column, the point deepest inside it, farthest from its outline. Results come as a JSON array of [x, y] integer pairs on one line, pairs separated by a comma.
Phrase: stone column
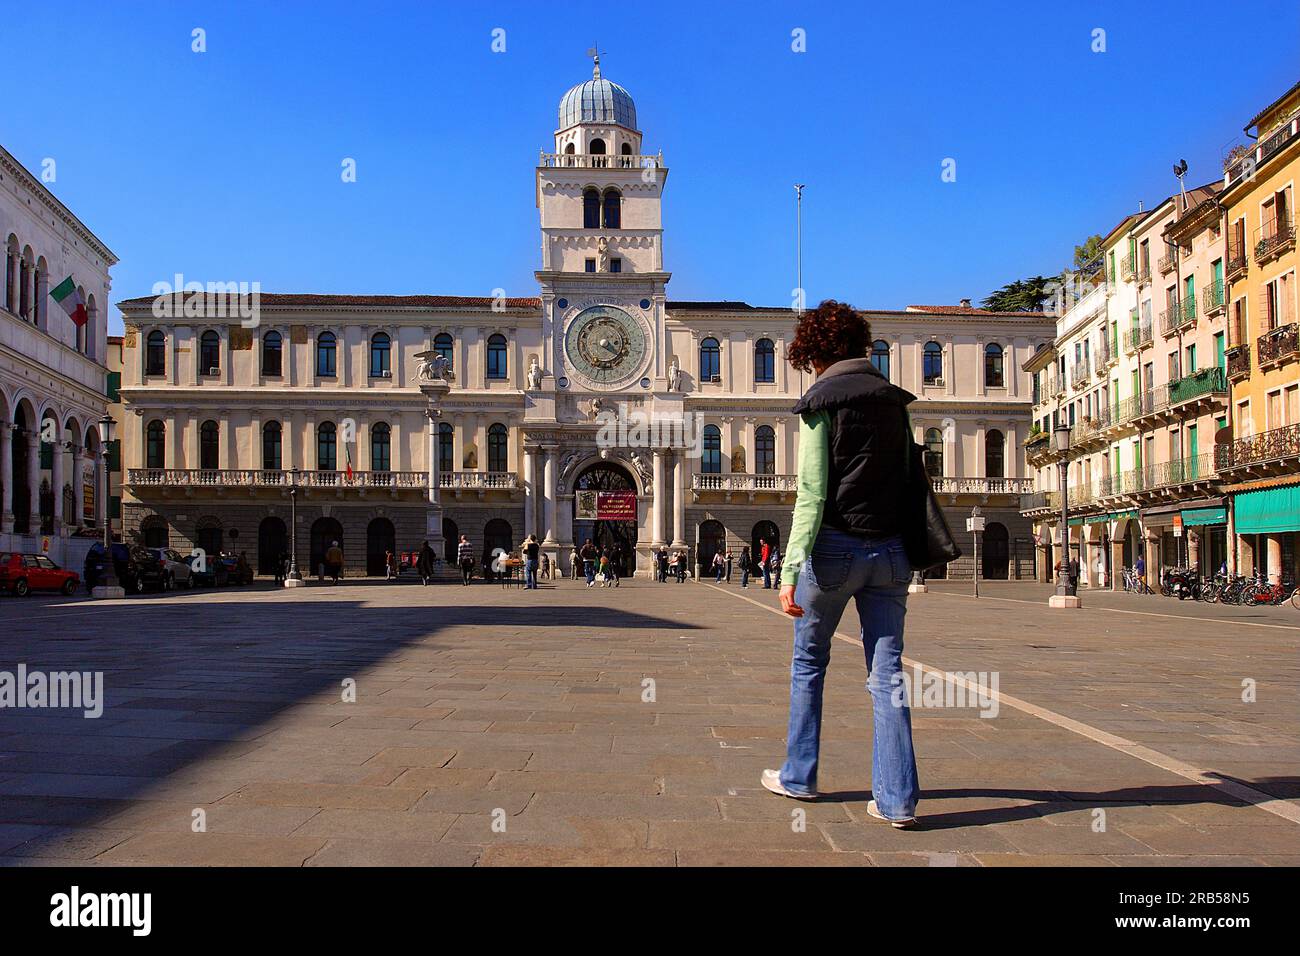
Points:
[[33, 438], [57, 450], [1116, 564], [530, 490], [551, 493], [679, 503], [1274, 558], [657, 522], [434, 479], [11, 284], [7, 477]]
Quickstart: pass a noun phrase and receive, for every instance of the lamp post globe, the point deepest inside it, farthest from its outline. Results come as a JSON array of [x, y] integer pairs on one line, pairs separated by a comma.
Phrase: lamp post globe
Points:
[[1065, 595], [294, 578]]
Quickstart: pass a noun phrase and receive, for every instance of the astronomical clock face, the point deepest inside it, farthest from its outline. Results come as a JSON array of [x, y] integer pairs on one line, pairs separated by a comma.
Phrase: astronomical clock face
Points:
[[605, 345]]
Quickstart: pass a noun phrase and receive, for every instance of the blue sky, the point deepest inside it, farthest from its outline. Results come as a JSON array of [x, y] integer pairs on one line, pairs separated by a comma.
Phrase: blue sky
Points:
[[225, 165]]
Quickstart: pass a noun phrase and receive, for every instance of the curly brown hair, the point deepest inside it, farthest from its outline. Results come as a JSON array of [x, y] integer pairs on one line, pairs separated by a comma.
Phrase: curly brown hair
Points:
[[830, 333]]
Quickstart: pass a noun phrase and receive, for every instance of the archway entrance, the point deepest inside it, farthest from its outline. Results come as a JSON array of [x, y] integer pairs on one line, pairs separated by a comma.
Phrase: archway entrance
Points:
[[616, 537], [450, 541], [324, 532], [763, 531], [712, 539], [381, 537], [272, 543], [997, 555]]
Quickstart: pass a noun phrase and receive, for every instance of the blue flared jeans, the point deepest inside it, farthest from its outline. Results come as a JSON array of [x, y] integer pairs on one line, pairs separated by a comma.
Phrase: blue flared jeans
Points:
[[873, 573]]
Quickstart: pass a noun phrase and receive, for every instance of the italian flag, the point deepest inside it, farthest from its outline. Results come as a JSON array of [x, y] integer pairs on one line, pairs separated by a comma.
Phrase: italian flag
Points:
[[66, 294], [348, 453]]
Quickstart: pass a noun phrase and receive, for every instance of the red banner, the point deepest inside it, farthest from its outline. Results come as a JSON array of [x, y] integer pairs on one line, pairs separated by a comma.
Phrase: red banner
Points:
[[616, 506]]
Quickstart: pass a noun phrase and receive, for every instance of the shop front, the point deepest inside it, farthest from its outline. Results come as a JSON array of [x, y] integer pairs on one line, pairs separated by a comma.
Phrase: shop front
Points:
[[1267, 521]]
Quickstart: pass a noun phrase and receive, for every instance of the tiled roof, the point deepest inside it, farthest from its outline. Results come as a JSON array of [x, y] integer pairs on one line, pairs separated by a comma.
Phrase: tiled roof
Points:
[[396, 301], [966, 310], [723, 306]]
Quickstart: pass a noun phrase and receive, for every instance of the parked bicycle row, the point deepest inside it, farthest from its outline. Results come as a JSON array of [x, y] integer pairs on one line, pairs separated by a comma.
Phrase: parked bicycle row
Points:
[[1187, 584]]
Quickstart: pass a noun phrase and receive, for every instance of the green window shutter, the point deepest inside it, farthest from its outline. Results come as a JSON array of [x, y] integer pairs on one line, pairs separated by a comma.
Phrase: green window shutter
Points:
[[115, 455], [1219, 360], [114, 506], [114, 384]]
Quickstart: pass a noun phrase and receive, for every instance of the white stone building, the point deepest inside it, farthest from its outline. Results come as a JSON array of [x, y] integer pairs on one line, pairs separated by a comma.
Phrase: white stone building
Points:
[[52, 374], [219, 415]]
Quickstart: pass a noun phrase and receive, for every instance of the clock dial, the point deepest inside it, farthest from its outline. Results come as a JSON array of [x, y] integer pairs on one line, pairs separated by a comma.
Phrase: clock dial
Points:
[[605, 345]]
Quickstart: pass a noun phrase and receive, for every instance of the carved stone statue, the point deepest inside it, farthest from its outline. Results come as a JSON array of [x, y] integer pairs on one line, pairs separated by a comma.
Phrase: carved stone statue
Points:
[[602, 255], [434, 367], [674, 375], [534, 375], [595, 408]]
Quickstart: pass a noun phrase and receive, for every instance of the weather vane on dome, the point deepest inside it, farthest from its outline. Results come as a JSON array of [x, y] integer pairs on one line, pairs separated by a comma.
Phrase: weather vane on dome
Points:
[[594, 53]]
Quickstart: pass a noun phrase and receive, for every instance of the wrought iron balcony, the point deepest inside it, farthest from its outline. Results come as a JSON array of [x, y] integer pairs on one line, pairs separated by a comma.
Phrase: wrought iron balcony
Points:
[[1235, 261], [1278, 345], [1179, 471], [1139, 336], [1212, 298], [1275, 142], [1179, 315], [1080, 372], [1274, 237], [1278, 447], [1041, 502], [1165, 263], [1128, 268], [1105, 354], [1238, 359]]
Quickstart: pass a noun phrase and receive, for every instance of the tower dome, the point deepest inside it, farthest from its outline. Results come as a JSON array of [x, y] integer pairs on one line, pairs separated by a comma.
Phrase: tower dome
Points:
[[597, 101]]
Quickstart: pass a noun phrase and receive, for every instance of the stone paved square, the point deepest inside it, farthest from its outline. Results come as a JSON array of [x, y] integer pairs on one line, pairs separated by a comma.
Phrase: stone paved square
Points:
[[503, 727]]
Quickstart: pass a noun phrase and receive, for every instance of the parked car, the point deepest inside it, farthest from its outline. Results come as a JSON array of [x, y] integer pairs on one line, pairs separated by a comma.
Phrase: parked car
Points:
[[237, 568], [176, 569], [137, 569], [214, 573], [24, 573]]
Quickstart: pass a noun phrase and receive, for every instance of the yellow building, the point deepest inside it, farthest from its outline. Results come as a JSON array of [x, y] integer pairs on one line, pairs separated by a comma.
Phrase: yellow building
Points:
[[1259, 464]]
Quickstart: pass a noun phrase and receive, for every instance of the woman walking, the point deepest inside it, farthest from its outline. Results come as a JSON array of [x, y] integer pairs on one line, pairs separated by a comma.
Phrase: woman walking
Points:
[[845, 543]]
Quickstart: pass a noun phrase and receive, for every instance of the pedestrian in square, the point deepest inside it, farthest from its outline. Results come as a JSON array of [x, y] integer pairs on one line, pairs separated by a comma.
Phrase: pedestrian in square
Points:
[[662, 560], [765, 552], [532, 554], [424, 563], [465, 558], [719, 567], [745, 562], [390, 566], [575, 563], [589, 556], [728, 565], [845, 543], [334, 561]]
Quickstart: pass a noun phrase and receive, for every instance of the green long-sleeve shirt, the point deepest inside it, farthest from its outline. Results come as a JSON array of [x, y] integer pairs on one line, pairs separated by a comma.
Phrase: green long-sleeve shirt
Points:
[[814, 466]]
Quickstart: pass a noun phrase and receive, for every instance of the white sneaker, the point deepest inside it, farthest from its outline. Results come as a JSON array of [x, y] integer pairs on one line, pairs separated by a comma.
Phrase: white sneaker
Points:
[[906, 824], [771, 780]]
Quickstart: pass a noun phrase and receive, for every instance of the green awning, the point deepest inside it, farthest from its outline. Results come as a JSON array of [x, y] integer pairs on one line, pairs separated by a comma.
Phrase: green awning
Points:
[[1267, 511], [1097, 519], [1194, 516]]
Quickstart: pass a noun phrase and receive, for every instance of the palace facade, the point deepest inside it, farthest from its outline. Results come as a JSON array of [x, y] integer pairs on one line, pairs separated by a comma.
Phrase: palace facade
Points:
[[328, 400], [52, 371]]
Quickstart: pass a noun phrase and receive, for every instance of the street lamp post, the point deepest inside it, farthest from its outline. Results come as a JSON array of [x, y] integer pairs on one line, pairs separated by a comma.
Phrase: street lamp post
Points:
[[294, 578], [108, 586], [1065, 595]]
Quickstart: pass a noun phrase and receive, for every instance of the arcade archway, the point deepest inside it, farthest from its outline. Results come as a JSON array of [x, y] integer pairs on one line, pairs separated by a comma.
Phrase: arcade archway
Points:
[[615, 537]]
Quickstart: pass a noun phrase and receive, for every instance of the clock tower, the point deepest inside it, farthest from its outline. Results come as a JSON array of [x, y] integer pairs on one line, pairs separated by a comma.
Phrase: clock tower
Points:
[[602, 276]]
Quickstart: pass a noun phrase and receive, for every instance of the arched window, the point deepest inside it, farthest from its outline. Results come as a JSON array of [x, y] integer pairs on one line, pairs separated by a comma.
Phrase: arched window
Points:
[[764, 361], [880, 356], [597, 151], [209, 353], [498, 443], [993, 365], [626, 152], [271, 352], [381, 447], [155, 445], [444, 345], [613, 202], [711, 460], [710, 360], [271, 446], [764, 450], [994, 456], [446, 442], [496, 357], [325, 355], [932, 363], [155, 353], [934, 452], [210, 446], [327, 449], [381, 347], [590, 209]]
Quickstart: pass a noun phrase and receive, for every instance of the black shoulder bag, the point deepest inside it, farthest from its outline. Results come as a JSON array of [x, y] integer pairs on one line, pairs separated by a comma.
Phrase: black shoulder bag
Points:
[[927, 539]]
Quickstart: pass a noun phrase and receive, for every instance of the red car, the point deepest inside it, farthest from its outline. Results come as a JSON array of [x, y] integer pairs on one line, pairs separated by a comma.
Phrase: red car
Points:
[[24, 573]]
